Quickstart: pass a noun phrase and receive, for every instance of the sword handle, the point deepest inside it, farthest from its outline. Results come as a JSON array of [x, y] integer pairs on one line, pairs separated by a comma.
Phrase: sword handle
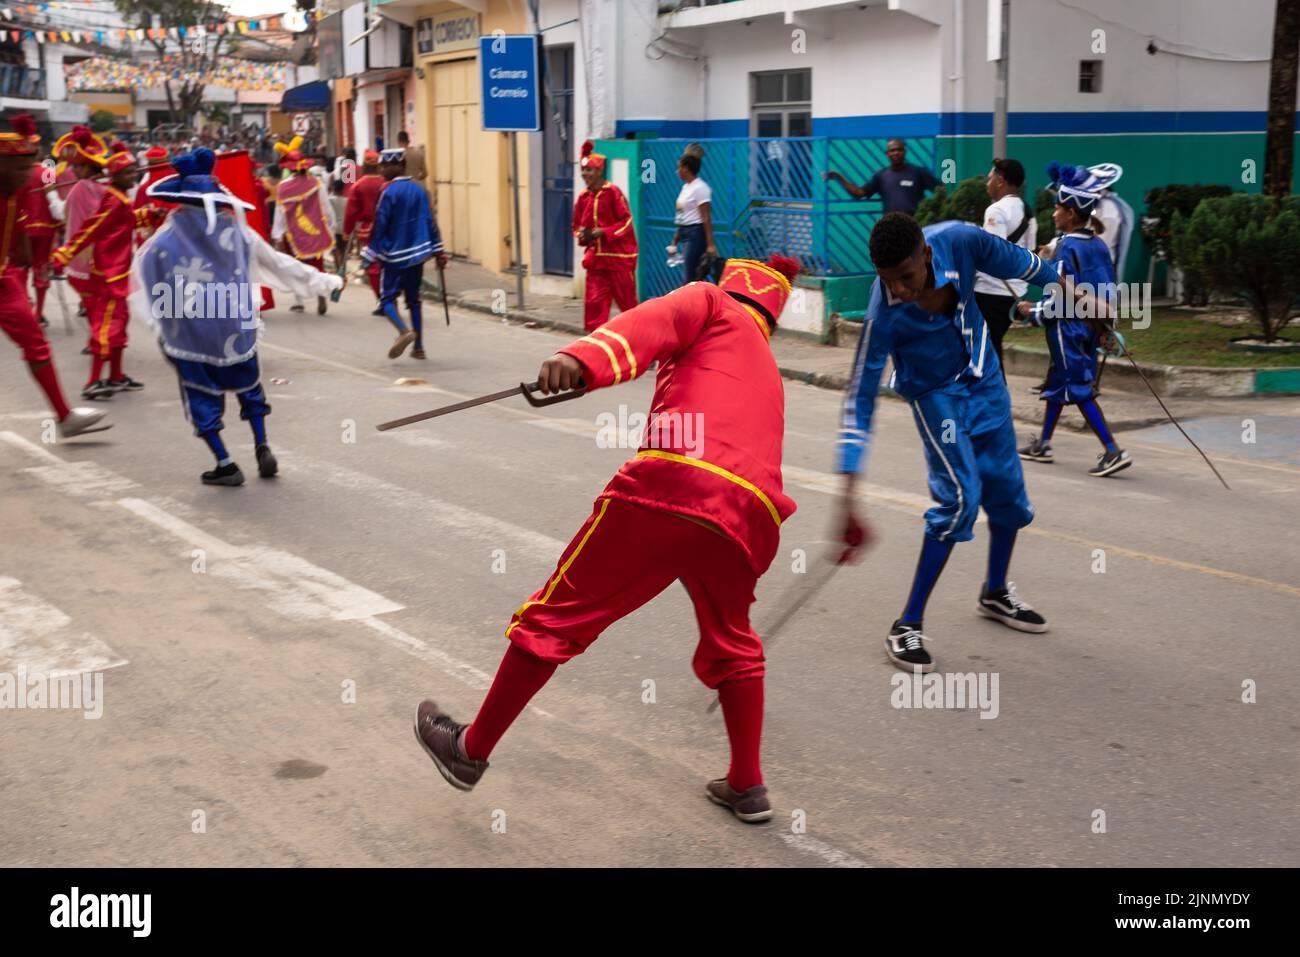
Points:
[[528, 388]]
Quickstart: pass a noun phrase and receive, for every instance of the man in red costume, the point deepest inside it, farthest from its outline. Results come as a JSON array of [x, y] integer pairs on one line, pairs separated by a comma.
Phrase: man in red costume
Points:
[[108, 238], [41, 226], [81, 191], [701, 501], [359, 215], [17, 156], [602, 222], [303, 218]]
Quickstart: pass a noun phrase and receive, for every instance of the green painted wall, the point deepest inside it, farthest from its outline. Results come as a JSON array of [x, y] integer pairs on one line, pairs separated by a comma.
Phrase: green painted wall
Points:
[[1148, 160]]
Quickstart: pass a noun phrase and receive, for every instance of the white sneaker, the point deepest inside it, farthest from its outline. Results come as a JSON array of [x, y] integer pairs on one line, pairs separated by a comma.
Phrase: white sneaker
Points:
[[82, 421]]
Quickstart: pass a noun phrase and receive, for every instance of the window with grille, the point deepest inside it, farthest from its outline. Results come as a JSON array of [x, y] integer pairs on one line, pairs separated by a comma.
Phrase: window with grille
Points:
[[781, 103]]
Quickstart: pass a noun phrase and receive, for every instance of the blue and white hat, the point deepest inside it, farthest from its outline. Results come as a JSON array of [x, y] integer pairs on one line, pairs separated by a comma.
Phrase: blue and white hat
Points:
[[194, 185], [394, 155], [1082, 186]]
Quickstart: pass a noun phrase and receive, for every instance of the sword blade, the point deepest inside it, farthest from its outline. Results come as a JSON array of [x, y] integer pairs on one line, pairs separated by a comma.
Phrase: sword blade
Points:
[[816, 582], [1178, 425], [448, 409]]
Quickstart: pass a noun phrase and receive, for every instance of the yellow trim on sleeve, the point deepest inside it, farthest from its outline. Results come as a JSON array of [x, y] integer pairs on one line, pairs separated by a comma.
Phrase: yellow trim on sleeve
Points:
[[627, 347], [550, 588], [613, 360], [716, 470]]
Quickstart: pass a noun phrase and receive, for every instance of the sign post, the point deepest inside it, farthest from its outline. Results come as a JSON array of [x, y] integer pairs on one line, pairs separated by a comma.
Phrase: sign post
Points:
[[511, 97]]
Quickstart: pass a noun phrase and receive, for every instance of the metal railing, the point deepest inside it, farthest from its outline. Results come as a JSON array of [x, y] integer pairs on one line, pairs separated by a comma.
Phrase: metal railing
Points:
[[769, 197]]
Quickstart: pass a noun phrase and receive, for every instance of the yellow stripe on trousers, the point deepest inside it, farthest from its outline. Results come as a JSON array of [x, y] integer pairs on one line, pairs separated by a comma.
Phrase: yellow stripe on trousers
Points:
[[546, 596]]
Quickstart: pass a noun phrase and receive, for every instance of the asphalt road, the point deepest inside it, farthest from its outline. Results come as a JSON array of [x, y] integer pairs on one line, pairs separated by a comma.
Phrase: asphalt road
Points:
[[263, 649]]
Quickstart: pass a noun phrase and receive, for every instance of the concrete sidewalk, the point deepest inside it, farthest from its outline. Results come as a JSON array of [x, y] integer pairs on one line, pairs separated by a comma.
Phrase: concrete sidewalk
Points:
[[479, 290]]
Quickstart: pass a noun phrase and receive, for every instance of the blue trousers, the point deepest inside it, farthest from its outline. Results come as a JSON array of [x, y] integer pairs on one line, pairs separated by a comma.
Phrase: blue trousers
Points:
[[1074, 361], [970, 451], [204, 388], [398, 280], [693, 246]]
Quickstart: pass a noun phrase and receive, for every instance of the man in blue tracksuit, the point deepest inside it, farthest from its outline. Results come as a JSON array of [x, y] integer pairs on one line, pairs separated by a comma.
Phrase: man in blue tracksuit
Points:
[[403, 237], [922, 315]]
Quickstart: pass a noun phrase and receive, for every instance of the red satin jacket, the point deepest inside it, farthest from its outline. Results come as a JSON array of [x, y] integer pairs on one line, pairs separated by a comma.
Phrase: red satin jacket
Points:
[[712, 447], [363, 200], [608, 209], [108, 232], [35, 202]]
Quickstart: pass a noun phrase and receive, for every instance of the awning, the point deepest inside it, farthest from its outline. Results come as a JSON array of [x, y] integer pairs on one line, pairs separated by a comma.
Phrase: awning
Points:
[[308, 98]]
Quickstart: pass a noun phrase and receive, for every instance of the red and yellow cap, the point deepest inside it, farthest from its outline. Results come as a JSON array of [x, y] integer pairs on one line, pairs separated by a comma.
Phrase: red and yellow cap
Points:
[[80, 145], [764, 285], [370, 158], [22, 139], [119, 158], [591, 159], [291, 153]]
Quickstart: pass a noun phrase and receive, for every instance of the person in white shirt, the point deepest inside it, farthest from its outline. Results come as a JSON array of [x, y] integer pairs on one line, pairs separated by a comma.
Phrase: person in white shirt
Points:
[[1009, 217], [694, 213], [1117, 227]]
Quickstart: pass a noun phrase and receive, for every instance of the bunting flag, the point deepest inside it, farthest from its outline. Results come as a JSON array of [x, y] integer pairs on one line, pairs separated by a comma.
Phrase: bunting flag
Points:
[[177, 33], [104, 73]]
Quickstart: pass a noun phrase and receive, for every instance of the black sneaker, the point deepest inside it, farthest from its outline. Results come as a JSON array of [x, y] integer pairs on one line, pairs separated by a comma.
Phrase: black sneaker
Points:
[[224, 475], [437, 734], [1108, 463], [126, 384], [102, 389], [750, 805], [297, 307], [906, 648], [380, 312], [267, 466], [1037, 451], [1005, 606]]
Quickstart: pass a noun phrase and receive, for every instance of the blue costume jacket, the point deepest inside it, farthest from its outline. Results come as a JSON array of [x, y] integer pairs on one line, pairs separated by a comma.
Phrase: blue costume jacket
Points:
[[404, 233]]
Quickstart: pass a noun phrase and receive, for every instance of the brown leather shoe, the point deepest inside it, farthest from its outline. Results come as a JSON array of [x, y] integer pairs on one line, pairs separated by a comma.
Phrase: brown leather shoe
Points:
[[437, 734], [400, 344], [751, 805]]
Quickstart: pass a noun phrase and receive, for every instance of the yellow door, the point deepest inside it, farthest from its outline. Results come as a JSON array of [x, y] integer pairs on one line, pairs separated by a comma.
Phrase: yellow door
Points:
[[456, 141]]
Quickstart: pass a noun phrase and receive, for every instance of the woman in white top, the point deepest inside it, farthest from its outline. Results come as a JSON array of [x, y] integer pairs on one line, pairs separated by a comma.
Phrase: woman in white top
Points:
[[1010, 218], [694, 219]]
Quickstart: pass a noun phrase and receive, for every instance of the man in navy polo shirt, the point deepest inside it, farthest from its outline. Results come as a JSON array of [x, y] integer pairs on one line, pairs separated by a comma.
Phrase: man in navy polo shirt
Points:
[[901, 186]]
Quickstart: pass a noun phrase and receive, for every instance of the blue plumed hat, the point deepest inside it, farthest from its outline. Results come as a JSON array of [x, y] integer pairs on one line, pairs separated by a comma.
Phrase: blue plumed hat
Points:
[[194, 185], [394, 155], [1082, 186]]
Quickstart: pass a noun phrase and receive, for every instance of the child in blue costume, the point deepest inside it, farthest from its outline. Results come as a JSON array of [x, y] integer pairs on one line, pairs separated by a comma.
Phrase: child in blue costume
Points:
[[1084, 258]]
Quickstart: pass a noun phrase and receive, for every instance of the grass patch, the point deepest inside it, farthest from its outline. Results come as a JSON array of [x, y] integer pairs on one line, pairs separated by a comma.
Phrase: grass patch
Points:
[[1178, 337]]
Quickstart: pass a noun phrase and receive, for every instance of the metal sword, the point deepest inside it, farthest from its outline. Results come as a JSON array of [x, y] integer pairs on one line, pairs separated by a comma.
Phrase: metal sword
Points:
[[526, 389]]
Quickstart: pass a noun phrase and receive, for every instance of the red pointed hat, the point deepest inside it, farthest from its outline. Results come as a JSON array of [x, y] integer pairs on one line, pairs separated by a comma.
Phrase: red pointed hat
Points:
[[765, 285]]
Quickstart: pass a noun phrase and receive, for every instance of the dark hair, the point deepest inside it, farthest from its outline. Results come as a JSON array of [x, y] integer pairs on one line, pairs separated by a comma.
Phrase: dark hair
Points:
[[895, 237], [402, 137], [1011, 171], [692, 164]]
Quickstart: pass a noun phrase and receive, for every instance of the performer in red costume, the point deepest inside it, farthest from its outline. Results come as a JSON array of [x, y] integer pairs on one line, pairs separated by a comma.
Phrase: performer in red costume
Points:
[[701, 502], [17, 156], [108, 235], [41, 226], [602, 222], [83, 154], [359, 214], [303, 218]]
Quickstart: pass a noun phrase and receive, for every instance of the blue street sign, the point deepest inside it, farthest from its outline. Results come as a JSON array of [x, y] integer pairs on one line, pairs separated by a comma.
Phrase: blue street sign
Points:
[[511, 82]]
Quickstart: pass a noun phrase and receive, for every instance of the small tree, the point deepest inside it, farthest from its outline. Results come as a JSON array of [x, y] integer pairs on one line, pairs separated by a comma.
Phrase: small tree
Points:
[[967, 202], [1248, 246], [101, 121]]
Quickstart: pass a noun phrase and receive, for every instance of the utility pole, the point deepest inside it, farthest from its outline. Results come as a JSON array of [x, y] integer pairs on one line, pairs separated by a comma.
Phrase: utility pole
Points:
[[999, 37]]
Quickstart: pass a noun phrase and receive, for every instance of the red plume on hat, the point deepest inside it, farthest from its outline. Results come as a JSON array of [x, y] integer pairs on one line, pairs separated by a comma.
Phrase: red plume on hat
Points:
[[82, 135], [785, 265], [587, 148], [590, 158], [23, 124], [117, 146]]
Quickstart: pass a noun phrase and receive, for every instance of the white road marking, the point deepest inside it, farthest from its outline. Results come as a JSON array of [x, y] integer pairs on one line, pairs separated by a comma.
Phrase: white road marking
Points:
[[36, 635], [31, 448]]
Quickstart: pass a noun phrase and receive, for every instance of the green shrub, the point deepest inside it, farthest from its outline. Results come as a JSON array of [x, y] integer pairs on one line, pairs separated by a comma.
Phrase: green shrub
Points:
[[1163, 202], [967, 202], [1244, 245]]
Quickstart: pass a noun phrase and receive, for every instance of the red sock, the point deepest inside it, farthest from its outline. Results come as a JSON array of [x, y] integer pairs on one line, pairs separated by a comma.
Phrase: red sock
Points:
[[96, 368], [520, 676], [742, 710], [48, 380], [40, 301], [116, 372]]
